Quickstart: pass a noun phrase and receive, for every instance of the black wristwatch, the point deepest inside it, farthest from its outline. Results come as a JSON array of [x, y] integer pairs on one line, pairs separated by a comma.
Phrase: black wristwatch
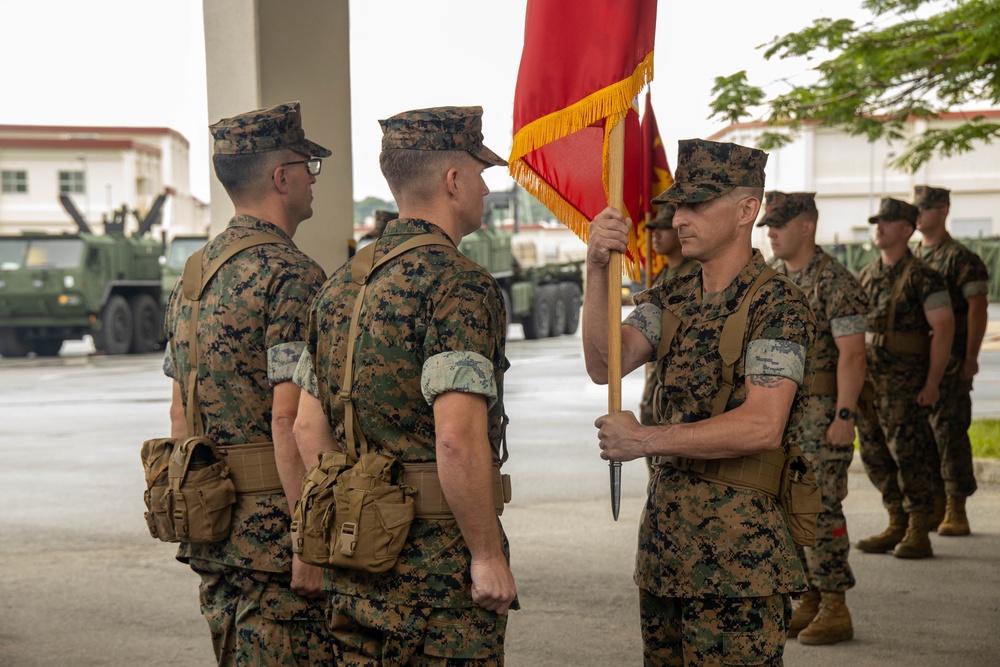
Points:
[[845, 414]]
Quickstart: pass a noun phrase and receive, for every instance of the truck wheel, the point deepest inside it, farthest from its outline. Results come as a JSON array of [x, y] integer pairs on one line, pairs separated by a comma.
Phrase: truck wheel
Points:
[[47, 347], [574, 299], [146, 326], [539, 322], [11, 345], [115, 334], [559, 311]]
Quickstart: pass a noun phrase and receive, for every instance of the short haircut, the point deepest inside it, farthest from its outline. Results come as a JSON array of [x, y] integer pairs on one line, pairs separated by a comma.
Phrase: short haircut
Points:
[[743, 191], [412, 173], [241, 173], [811, 216]]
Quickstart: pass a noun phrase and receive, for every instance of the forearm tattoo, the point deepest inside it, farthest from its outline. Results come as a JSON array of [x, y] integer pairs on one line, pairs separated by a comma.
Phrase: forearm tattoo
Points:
[[766, 381]]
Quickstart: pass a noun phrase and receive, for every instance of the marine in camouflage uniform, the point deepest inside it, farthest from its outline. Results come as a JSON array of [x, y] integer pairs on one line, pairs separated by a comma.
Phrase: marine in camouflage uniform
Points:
[[909, 302], [826, 432], [951, 416], [665, 242], [429, 355], [715, 563], [251, 332]]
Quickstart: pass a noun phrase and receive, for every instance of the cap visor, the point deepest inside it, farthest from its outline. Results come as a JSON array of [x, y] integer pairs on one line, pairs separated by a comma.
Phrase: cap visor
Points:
[[489, 157], [311, 149], [691, 193]]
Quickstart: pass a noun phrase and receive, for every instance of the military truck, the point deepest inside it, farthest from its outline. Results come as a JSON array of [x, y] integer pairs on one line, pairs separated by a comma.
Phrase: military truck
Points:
[[56, 287], [543, 294], [172, 262]]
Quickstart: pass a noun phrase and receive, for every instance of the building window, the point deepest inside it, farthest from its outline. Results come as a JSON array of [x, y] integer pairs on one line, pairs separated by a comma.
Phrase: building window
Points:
[[72, 182], [15, 181], [142, 186]]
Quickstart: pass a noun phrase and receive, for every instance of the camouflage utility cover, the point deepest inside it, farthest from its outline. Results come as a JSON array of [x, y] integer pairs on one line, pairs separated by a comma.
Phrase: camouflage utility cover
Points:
[[263, 130], [251, 332], [433, 322], [709, 169], [925, 289], [925, 196], [890, 210], [840, 306], [664, 217], [780, 207], [439, 129], [966, 275], [699, 538]]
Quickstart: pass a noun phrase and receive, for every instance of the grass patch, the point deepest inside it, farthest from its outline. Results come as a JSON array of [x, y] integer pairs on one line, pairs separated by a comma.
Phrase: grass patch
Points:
[[985, 437]]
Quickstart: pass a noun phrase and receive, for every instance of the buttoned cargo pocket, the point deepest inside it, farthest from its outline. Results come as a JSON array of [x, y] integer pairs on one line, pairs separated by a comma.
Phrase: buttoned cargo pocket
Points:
[[465, 634], [281, 603], [751, 648]]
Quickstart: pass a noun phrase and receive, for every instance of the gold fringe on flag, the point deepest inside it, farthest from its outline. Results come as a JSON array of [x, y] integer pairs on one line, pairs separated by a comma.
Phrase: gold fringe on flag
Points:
[[612, 104]]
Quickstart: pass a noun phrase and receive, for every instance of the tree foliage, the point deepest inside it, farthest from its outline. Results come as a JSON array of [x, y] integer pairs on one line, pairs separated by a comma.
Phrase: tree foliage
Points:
[[877, 75]]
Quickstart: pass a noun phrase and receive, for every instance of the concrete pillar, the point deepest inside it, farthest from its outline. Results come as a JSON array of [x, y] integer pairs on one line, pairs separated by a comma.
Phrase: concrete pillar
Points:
[[264, 52]]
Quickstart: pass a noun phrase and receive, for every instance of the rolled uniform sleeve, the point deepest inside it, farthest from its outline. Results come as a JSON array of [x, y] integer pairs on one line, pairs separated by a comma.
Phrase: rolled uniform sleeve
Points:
[[647, 318], [848, 326], [776, 357], [463, 371], [282, 360], [168, 364], [305, 374], [937, 300], [975, 288]]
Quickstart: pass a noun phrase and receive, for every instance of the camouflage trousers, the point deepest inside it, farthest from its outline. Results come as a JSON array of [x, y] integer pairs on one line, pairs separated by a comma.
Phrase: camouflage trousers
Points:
[[951, 465], [826, 561], [896, 444], [710, 632], [256, 619], [369, 633]]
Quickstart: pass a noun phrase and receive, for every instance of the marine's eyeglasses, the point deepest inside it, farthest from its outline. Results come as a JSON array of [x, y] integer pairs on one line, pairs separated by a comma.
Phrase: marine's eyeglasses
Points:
[[313, 165]]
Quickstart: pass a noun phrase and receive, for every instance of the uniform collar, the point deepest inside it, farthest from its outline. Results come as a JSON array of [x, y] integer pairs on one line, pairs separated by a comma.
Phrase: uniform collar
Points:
[[727, 301], [412, 227], [244, 221]]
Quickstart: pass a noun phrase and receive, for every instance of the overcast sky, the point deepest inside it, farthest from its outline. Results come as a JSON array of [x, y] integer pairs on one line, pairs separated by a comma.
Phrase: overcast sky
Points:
[[141, 62]]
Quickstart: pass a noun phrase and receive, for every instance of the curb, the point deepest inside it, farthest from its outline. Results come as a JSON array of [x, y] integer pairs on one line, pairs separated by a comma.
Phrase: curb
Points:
[[987, 471]]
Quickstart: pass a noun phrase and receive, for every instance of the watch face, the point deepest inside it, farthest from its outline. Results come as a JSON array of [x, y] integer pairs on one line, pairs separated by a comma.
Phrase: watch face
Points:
[[844, 413]]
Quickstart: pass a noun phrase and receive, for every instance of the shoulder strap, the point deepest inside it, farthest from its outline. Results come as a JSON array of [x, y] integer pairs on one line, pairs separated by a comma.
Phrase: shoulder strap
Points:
[[823, 261], [195, 281], [732, 340], [362, 267], [897, 292]]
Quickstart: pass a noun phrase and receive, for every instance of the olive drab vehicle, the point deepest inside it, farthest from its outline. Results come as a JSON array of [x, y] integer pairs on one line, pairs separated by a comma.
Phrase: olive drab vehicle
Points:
[[542, 294], [56, 287], [179, 248]]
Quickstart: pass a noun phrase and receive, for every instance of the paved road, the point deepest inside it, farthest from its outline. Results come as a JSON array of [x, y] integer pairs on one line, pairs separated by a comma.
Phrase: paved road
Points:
[[82, 583]]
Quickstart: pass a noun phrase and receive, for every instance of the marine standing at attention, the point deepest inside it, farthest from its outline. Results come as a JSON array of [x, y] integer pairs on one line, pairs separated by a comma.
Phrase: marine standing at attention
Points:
[[907, 343], [968, 285], [716, 561], [263, 606], [826, 432], [427, 389]]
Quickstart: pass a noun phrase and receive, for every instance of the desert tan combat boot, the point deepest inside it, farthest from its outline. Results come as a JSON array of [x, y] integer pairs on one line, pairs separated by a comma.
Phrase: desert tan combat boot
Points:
[[916, 543], [955, 521], [888, 538], [940, 502], [831, 625], [805, 611]]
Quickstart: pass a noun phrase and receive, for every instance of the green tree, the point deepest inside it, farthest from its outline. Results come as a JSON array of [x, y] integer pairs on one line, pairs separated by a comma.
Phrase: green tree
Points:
[[367, 207], [878, 74]]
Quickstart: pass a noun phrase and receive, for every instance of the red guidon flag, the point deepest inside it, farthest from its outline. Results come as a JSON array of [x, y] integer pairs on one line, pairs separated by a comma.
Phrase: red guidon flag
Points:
[[583, 63], [655, 178]]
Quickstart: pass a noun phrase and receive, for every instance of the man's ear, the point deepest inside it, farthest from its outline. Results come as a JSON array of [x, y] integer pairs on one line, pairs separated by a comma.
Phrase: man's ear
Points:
[[749, 207], [451, 180], [279, 179]]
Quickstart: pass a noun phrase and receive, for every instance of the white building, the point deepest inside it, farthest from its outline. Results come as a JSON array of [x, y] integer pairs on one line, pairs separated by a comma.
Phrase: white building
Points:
[[850, 175], [100, 168]]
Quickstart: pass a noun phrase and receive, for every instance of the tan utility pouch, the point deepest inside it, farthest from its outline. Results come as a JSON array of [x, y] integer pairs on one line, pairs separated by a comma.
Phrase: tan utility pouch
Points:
[[315, 511], [155, 460], [800, 498], [200, 493], [372, 516]]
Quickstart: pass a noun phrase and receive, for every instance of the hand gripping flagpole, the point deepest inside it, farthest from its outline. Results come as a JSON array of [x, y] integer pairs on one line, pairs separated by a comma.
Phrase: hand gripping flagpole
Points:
[[616, 177]]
